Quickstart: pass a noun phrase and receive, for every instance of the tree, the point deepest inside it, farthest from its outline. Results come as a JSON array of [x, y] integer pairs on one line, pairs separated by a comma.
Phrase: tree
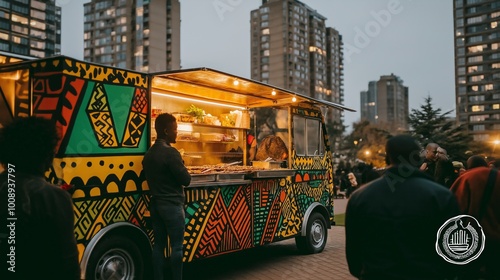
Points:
[[367, 143], [429, 125]]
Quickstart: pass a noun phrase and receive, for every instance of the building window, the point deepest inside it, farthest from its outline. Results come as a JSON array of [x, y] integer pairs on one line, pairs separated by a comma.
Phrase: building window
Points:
[[477, 108], [478, 48], [473, 69], [476, 19], [478, 58], [475, 39], [476, 78], [478, 127], [477, 98], [481, 137], [478, 118]]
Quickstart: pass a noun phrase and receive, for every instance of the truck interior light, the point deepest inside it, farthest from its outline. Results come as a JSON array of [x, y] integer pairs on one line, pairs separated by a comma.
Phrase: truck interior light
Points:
[[198, 100]]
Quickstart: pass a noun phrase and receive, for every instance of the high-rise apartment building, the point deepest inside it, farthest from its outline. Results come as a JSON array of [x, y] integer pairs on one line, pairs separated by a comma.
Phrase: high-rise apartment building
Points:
[[477, 67], [140, 35], [292, 48], [368, 100], [386, 103], [30, 27]]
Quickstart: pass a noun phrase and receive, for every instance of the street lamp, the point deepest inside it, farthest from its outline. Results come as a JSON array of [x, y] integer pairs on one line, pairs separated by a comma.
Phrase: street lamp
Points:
[[495, 143]]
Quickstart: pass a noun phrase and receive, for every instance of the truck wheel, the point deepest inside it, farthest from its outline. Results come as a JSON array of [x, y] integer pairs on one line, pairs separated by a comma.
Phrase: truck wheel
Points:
[[316, 235], [115, 257]]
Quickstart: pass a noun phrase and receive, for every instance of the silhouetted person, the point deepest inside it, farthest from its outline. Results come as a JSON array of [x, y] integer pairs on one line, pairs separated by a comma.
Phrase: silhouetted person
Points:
[[430, 158], [391, 222], [476, 161], [166, 176], [469, 189], [43, 232], [444, 173]]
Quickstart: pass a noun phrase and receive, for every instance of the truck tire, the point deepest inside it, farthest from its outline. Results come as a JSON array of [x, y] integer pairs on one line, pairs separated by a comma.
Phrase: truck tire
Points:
[[316, 235], [115, 257]]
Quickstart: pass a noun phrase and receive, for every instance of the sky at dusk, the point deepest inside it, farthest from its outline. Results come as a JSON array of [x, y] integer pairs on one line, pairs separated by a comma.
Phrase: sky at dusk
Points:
[[412, 39]]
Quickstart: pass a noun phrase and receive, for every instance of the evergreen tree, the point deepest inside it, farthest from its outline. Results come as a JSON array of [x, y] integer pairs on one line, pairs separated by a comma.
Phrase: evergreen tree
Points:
[[429, 125]]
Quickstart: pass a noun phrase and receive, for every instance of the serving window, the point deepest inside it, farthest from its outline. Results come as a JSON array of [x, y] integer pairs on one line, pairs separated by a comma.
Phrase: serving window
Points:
[[308, 137]]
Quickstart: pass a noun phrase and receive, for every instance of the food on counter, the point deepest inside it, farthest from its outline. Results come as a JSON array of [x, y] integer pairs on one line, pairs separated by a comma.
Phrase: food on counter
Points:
[[155, 112], [188, 136], [196, 112], [221, 168], [228, 119], [232, 119], [180, 117], [209, 119], [211, 137], [271, 147], [217, 137]]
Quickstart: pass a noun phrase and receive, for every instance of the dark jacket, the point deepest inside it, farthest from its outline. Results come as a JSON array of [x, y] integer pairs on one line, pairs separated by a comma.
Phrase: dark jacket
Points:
[[165, 173], [43, 232], [392, 223]]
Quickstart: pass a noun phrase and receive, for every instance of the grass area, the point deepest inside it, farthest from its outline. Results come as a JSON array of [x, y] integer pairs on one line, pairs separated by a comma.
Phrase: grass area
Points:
[[340, 219]]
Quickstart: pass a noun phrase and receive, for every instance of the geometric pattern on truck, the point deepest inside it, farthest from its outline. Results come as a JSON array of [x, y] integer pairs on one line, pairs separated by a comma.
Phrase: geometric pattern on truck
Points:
[[234, 218], [107, 181]]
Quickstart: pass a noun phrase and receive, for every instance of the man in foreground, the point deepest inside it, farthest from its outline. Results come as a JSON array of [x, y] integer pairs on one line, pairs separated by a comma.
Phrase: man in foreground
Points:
[[39, 240], [392, 222]]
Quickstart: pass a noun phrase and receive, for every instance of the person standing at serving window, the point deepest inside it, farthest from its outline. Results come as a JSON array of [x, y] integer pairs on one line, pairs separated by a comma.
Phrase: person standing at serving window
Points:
[[166, 176]]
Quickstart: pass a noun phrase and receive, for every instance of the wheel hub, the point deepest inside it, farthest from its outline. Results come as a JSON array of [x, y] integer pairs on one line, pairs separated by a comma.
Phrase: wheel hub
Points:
[[115, 266]]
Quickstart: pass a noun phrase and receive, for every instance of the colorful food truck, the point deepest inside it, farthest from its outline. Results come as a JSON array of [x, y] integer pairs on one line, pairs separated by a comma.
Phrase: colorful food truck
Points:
[[106, 118]]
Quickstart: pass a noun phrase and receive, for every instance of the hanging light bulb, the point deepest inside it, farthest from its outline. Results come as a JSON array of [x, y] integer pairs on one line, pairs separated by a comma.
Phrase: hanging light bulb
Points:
[[273, 92], [236, 82], [294, 99]]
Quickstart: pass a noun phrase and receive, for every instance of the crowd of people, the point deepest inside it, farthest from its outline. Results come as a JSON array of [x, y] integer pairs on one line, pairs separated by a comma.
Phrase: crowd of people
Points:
[[349, 179], [407, 205]]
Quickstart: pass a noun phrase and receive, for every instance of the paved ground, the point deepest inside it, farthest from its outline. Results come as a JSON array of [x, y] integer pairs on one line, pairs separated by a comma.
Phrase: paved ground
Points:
[[278, 261]]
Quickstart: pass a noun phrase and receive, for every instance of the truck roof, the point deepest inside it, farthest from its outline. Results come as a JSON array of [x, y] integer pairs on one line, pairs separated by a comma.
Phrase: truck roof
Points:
[[210, 84]]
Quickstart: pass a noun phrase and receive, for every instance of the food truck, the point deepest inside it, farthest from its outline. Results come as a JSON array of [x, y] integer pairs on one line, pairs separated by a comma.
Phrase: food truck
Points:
[[106, 118]]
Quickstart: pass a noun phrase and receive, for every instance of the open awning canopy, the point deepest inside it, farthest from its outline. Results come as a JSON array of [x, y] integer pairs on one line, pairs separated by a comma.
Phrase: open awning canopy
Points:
[[212, 85]]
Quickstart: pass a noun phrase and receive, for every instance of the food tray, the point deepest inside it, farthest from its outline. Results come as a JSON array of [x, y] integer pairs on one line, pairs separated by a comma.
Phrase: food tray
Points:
[[203, 178], [180, 117], [272, 173], [230, 176]]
